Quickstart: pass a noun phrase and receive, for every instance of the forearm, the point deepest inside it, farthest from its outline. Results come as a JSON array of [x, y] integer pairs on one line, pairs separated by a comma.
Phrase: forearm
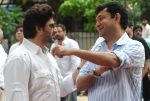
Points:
[[100, 58], [85, 82], [74, 75], [76, 72], [146, 67]]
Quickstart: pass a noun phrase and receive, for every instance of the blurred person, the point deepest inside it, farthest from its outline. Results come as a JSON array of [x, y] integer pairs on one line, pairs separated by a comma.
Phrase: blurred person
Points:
[[146, 29], [137, 32], [129, 29], [19, 37], [31, 72], [3, 57], [116, 52], [67, 64]]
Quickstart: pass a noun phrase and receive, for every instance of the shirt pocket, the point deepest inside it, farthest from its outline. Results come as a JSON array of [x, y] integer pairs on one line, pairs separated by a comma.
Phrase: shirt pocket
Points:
[[41, 79]]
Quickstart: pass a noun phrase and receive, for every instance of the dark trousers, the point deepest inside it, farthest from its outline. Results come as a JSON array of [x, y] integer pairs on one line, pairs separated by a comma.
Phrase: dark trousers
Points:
[[71, 97]]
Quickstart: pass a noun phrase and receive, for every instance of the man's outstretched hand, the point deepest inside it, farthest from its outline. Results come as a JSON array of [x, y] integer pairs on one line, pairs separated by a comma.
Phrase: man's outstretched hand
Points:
[[61, 51]]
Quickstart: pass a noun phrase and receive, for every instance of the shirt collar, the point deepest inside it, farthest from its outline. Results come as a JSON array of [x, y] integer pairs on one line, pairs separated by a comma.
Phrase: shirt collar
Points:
[[33, 47], [123, 39], [64, 42]]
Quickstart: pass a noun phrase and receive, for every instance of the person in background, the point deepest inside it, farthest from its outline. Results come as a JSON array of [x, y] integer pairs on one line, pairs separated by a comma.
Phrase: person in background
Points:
[[137, 32], [19, 37], [146, 28], [124, 57], [129, 29], [3, 57], [66, 64]]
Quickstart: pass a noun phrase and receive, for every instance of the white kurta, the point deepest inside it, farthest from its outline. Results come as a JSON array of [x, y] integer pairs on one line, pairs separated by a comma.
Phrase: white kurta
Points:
[[32, 74]]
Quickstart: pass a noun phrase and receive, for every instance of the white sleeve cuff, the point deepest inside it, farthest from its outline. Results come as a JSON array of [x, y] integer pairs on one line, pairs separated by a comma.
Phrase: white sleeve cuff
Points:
[[68, 85]]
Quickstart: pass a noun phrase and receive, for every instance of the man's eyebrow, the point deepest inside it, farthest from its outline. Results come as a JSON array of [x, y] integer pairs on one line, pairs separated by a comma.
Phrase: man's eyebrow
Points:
[[98, 16]]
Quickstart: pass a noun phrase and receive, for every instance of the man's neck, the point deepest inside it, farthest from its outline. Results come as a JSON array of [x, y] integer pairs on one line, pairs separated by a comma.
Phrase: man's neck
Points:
[[145, 25], [114, 38], [38, 42], [60, 41]]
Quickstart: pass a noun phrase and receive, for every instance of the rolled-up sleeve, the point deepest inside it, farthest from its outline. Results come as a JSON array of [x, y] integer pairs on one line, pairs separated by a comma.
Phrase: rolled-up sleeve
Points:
[[16, 77], [132, 55]]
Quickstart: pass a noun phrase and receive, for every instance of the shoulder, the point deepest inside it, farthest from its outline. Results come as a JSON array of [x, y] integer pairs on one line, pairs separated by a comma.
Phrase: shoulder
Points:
[[71, 43], [14, 46], [19, 53], [99, 40], [71, 40], [134, 46]]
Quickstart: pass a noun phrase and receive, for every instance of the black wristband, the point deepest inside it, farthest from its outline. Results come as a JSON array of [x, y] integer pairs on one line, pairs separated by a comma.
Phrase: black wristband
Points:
[[78, 68]]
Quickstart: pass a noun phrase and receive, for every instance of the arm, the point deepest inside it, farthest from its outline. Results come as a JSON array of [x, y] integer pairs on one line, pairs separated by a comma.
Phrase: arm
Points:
[[107, 58], [86, 81], [69, 82], [16, 75], [146, 67]]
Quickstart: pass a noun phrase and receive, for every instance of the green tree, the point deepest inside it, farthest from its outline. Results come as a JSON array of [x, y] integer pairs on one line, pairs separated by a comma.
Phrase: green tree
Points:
[[145, 7], [9, 19], [85, 9]]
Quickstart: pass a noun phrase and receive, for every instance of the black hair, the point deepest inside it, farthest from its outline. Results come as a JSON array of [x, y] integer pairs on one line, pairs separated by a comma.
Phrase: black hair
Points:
[[62, 26], [113, 8], [136, 27], [37, 15], [143, 17], [130, 24], [19, 26]]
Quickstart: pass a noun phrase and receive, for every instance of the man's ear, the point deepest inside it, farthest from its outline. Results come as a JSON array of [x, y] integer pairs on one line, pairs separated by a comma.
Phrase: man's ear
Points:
[[117, 17], [38, 29]]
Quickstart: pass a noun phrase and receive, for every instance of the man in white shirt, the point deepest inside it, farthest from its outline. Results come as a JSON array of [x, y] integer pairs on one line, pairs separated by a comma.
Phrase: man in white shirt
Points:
[[3, 57], [146, 29], [31, 72], [66, 64], [19, 37]]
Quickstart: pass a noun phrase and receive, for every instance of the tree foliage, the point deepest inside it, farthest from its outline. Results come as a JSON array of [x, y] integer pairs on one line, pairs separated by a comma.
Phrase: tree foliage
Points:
[[86, 9], [145, 7], [9, 19], [81, 9]]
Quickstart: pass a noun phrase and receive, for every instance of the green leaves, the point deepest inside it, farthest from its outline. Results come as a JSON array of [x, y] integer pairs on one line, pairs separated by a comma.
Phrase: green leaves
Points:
[[85, 9], [10, 19]]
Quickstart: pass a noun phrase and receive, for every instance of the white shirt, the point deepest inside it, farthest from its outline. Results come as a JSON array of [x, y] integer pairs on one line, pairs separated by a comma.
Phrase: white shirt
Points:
[[3, 57], [13, 47], [146, 32], [67, 64], [32, 74]]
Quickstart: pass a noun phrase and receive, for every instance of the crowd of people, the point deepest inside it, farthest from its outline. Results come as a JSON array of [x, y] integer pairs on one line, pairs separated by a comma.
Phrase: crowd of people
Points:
[[116, 68]]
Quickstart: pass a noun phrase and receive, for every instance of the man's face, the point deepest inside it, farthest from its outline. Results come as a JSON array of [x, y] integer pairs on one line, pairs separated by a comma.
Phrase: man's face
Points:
[[129, 31], [19, 33], [59, 34], [48, 30], [144, 21], [137, 32], [104, 23]]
